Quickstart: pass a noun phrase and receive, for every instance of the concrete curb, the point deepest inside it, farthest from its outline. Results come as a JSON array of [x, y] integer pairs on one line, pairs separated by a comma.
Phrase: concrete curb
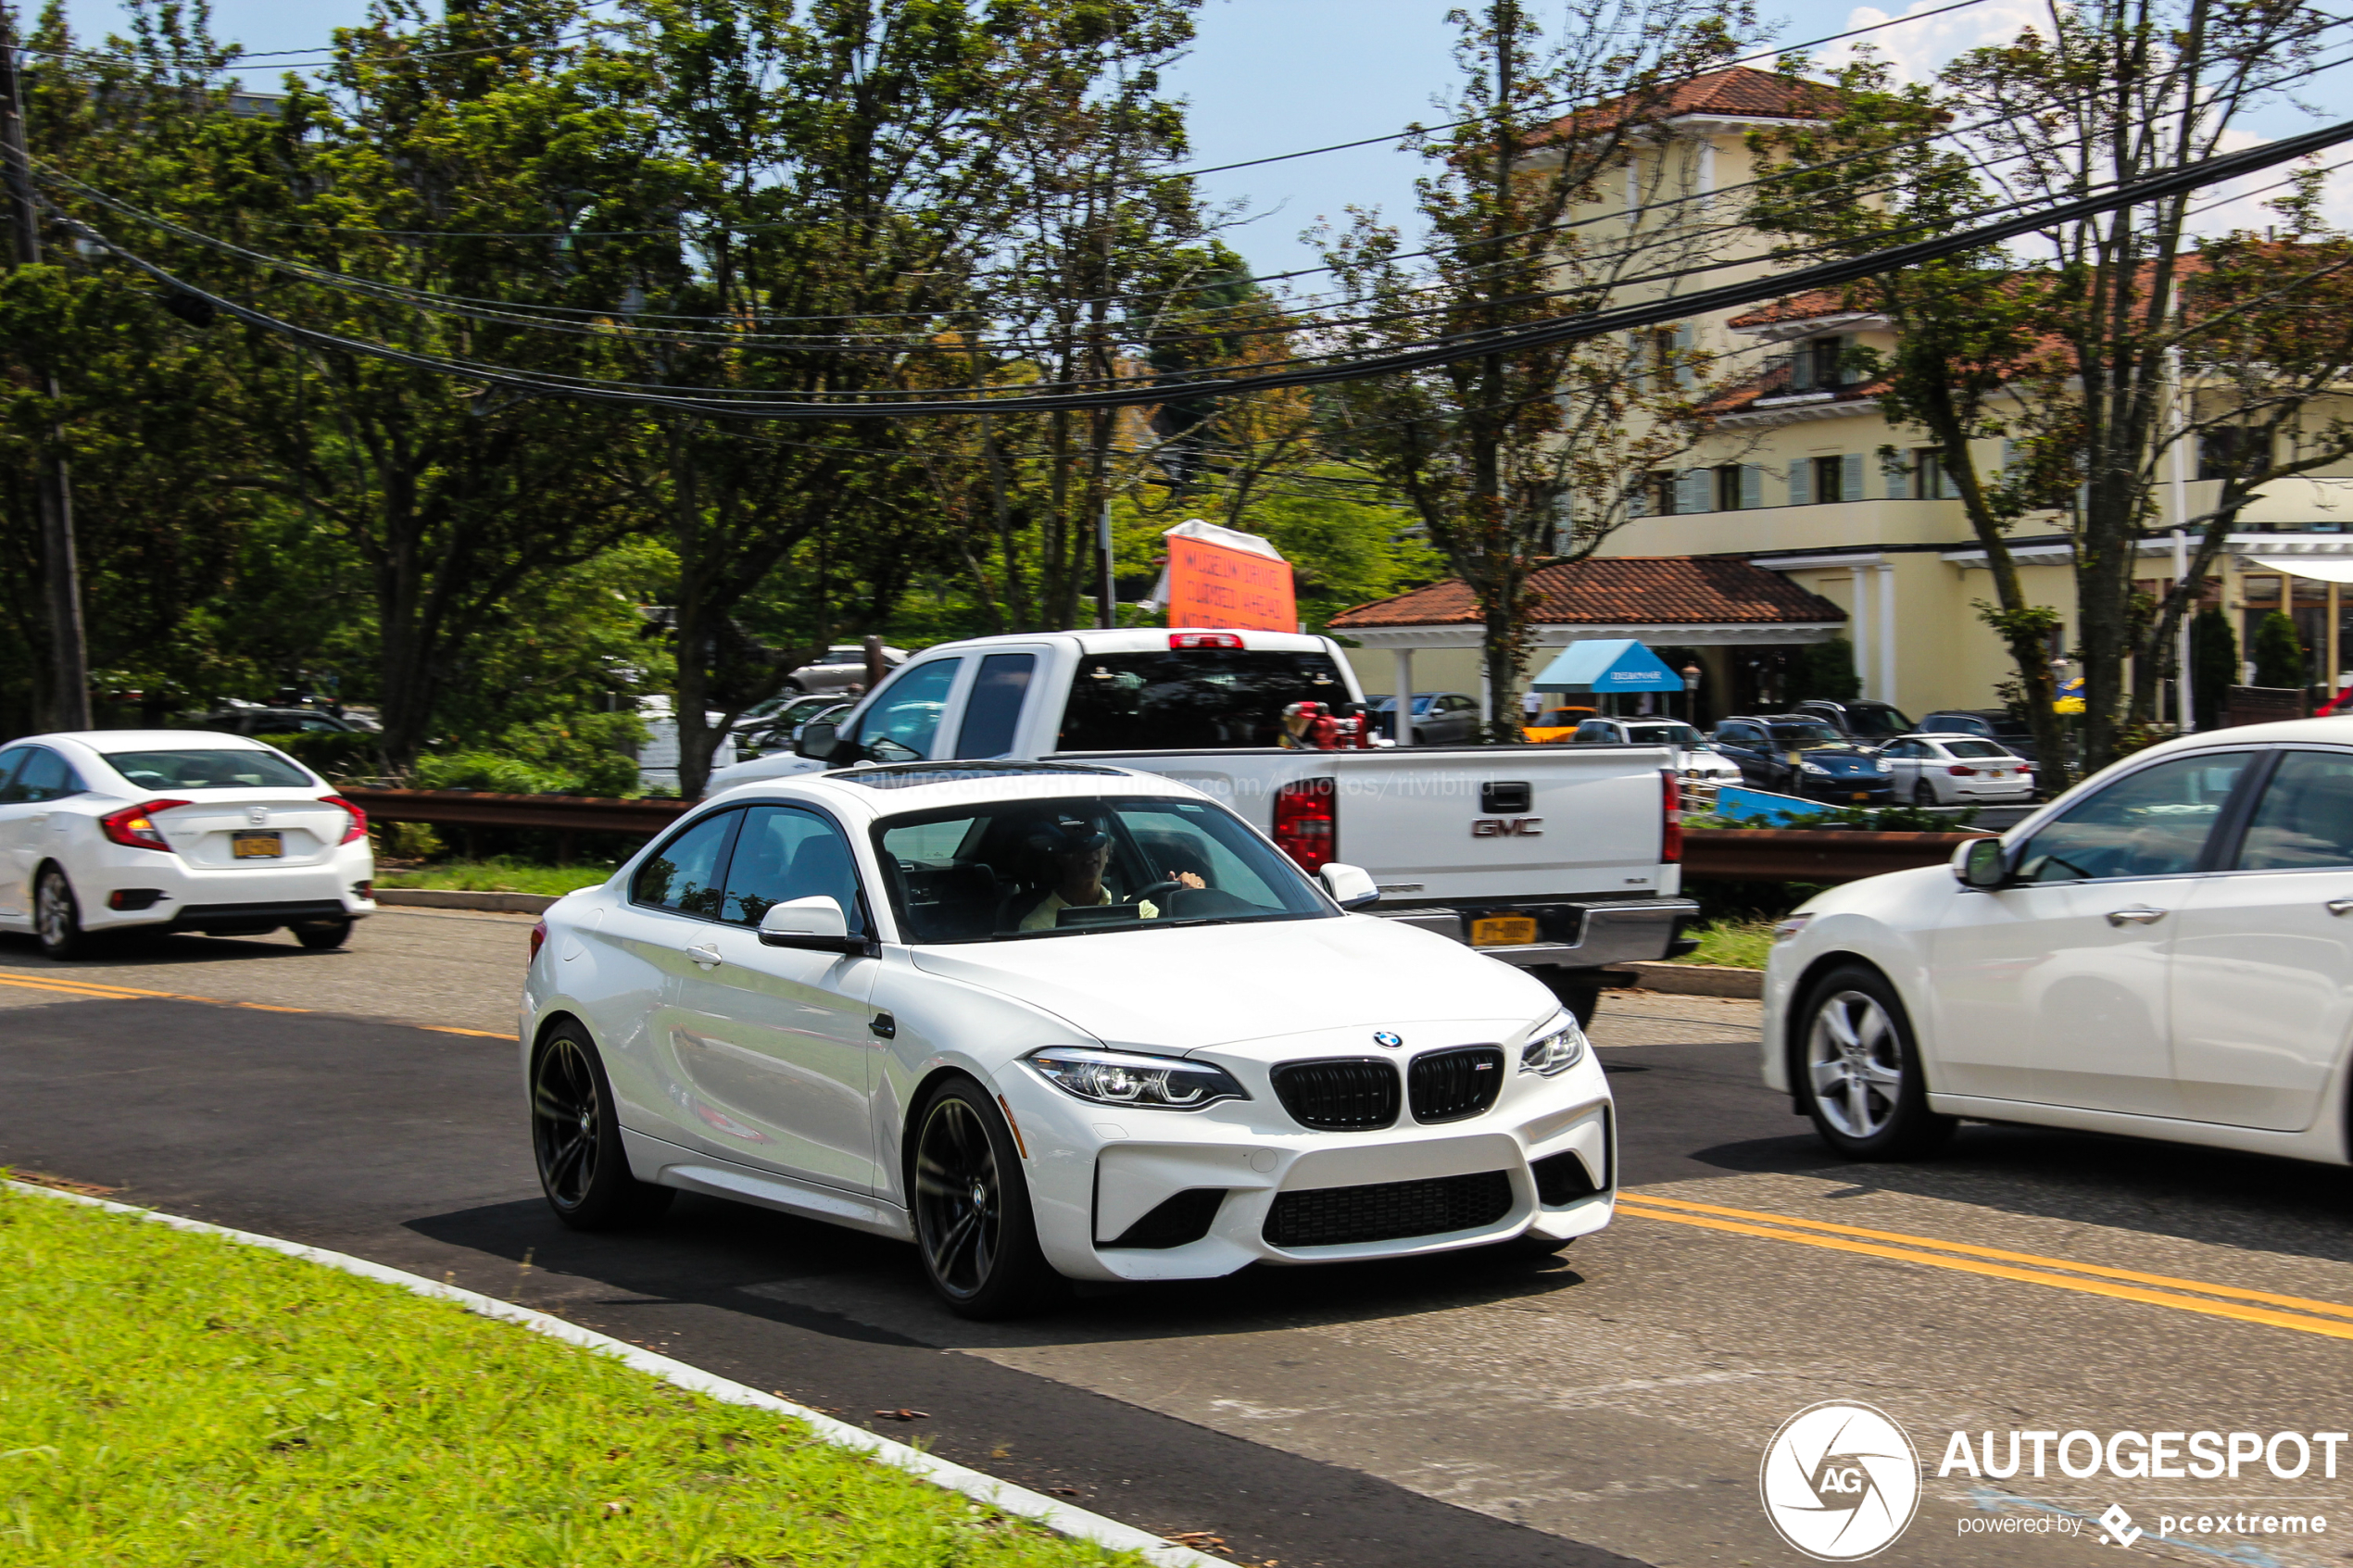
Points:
[[1002, 1496], [441, 898], [1695, 979]]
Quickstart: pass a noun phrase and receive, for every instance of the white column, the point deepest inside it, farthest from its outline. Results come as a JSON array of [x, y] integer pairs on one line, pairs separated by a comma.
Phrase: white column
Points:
[[1887, 633], [1404, 675], [1859, 620]]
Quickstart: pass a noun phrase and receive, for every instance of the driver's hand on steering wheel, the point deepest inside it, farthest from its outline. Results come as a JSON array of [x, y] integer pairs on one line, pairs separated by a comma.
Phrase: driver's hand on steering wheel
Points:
[[1187, 879]]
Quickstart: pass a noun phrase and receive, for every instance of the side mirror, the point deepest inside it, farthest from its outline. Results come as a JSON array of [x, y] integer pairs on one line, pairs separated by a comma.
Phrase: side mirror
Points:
[[1981, 863], [815, 740], [814, 923], [1352, 887]]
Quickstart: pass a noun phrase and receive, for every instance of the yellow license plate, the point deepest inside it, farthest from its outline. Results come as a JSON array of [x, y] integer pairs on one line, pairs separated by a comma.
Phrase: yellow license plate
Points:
[[1503, 931], [257, 845]]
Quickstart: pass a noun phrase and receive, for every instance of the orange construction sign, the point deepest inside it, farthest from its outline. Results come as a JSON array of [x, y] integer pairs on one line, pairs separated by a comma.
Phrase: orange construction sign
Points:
[[1211, 586]]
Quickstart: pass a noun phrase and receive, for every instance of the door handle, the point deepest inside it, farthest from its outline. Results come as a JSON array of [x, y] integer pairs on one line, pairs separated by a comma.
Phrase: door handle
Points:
[[2135, 917], [2339, 906], [707, 955]]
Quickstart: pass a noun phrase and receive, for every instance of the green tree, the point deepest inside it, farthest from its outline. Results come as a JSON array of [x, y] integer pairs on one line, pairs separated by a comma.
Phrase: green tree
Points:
[[2214, 665], [1826, 670], [2278, 653]]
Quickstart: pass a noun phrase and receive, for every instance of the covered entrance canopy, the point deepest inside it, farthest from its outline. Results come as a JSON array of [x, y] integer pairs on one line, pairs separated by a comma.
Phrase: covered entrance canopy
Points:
[[1607, 664]]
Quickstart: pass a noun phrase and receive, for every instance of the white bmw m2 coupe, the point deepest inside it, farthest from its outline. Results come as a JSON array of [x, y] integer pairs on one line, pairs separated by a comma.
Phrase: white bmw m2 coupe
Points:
[[1045, 1020]]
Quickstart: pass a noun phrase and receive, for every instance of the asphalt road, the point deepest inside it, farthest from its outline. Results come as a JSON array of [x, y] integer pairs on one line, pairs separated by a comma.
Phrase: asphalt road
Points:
[[1615, 1401]]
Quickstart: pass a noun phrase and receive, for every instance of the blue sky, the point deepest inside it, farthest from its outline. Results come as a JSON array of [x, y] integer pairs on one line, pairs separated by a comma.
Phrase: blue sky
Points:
[[1274, 76]]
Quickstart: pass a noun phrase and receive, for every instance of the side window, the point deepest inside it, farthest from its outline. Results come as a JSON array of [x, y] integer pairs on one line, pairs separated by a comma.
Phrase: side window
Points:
[[783, 854], [44, 775], [8, 762], [2306, 815], [994, 707], [2154, 822], [685, 874], [904, 716], [1901, 749], [1589, 731]]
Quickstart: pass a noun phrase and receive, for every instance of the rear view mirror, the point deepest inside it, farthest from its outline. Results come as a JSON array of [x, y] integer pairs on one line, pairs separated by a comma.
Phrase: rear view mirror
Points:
[[816, 923], [1352, 887], [815, 740], [1981, 863]]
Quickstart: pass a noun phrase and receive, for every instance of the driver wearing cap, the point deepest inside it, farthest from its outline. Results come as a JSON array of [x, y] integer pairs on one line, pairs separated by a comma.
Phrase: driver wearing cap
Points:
[[1079, 852]]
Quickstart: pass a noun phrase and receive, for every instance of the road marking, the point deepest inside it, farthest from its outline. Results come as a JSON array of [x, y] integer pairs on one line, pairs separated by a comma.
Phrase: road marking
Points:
[[1788, 1228], [57, 984]]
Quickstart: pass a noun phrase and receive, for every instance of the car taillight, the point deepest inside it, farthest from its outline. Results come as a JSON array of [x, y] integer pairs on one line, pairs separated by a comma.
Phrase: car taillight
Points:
[[1670, 834], [538, 938], [1305, 824], [133, 825], [359, 826], [1960, 771], [1203, 640]]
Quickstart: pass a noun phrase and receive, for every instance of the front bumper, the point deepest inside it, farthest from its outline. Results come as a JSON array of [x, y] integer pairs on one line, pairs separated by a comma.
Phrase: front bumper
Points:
[[1101, 1176]]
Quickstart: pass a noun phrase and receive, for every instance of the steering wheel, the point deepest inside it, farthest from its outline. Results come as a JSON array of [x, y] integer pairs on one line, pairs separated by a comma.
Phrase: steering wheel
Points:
[[1157, 892]]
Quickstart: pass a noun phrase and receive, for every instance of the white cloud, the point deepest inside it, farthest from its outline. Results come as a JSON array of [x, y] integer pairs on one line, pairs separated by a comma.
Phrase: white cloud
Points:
[[1918, 50]]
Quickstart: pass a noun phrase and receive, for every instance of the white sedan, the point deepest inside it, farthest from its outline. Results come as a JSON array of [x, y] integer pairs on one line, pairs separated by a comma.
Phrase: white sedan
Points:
[[1955, 771], [180, 830], [2165, 951], [1045, 1020]]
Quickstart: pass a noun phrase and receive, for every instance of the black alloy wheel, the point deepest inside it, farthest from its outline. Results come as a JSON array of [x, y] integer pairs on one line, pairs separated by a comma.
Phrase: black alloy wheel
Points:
[[972, 1221], [56, 918], [575, 1140]]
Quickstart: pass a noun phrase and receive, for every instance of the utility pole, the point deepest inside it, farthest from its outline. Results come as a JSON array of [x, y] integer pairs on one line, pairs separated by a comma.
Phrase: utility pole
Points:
[[1106, 611], [69, 650]]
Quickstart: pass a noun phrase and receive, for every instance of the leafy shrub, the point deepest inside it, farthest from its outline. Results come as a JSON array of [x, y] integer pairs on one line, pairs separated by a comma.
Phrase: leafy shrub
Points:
[[331, 754], [581, 755]]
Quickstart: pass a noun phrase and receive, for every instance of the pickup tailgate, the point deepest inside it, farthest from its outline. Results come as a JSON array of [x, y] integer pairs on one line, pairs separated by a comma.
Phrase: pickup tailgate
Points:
[[1501, 823]]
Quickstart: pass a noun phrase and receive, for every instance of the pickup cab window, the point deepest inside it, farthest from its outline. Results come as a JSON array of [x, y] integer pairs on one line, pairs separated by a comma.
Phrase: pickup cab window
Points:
[[902, 721], [1191, 699]]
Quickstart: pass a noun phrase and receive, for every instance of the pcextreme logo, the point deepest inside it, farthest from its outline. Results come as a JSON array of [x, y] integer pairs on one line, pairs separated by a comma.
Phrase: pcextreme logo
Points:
[[1841, 1481]]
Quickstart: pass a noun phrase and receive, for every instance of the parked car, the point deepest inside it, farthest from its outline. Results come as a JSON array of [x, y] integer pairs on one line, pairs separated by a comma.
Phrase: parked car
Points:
[[1797, 754], [1695, 757], [1955, 771], [1997, 724], [274, 721], [1866, 723], [1046, 1021], [1438, 719], [843, 667], [2162, 952], [174, 830], [1552, 726], [772, 725], [1563, 860]]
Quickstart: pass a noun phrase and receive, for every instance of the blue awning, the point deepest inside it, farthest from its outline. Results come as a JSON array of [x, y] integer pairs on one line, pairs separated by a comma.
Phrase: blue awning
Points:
[[1608, 665]]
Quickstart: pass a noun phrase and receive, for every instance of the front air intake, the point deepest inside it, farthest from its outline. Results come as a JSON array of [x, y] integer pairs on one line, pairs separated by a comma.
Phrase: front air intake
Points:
[[1346, 1095], [1452, 1085], [1388, 1211]]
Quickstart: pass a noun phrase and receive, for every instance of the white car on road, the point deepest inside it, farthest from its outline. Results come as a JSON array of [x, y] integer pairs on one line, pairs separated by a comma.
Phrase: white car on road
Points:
[[1955, 771], [2165, 951], [180, 830], [1045, 1019]]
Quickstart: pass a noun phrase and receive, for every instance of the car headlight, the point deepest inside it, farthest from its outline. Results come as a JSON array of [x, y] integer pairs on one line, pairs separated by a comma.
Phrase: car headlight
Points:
[[1812, 768], [1157, 1083], [1558, 1047]]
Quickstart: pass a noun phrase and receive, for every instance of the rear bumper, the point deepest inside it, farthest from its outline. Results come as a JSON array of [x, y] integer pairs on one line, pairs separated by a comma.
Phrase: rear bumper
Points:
[[247, 900], [1582, 934]]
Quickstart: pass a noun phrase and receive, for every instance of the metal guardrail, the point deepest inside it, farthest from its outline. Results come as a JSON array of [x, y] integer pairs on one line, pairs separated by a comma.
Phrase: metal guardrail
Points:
[[1812, 854], [1738, 854]]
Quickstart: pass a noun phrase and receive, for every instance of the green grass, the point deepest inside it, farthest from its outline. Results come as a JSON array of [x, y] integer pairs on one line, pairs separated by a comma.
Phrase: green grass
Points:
[[1736, 944], [500, 875], [170, 1398]]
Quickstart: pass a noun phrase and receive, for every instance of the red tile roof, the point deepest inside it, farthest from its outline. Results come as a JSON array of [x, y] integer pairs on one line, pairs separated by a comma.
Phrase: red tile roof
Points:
[[1738, 92], [1617, 591]]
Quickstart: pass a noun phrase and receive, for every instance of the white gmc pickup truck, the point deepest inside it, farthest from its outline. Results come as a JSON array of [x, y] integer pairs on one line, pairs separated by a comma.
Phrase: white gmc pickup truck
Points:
[[1560, 859]]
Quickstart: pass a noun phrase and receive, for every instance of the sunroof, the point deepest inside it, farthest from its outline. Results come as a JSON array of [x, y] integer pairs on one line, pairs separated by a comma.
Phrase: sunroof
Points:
[[914, 776]]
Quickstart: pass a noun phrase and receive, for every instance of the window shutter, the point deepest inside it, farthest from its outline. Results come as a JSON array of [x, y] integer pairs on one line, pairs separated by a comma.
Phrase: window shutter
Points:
[[2009, 458], [1850, 477], [1800, 482], [1638, 499], [1751, 486], [1686, 375], [1897, 473], [1691, 488]]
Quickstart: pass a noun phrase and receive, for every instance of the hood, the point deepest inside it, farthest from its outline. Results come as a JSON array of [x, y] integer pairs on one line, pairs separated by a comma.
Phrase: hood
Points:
[[1220, 985], [1841, 758]]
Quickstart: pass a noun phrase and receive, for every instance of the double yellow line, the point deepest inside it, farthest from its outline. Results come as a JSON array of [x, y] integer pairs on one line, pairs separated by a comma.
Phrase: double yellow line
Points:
[[2306, 1316], [65, 985]]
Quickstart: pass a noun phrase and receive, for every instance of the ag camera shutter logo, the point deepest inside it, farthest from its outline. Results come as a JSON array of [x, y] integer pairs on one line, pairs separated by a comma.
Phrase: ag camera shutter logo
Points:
[[1840, 1481]]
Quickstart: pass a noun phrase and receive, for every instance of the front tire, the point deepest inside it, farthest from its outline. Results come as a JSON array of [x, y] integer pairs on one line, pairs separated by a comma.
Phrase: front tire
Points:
[[576, 1139], [1860, 1076], [1924, 795], [56, 916], [973, 1226]]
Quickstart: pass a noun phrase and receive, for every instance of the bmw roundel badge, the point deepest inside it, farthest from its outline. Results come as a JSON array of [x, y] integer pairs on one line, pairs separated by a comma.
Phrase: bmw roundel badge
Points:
[[1384, 1038]]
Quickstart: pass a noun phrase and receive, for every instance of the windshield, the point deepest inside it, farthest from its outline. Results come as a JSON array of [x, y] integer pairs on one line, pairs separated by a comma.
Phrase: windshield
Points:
[[1806, 735], [1018, 869], [1662, 734], [1193, 699], [209, 770], [1873, 720]]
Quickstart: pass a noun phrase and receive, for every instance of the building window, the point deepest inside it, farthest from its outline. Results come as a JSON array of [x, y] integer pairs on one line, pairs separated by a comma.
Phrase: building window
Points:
[[1930, 480], [1728, 488], [1659, 490], [1813, 366], [1829, 480], [2228, 451]]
